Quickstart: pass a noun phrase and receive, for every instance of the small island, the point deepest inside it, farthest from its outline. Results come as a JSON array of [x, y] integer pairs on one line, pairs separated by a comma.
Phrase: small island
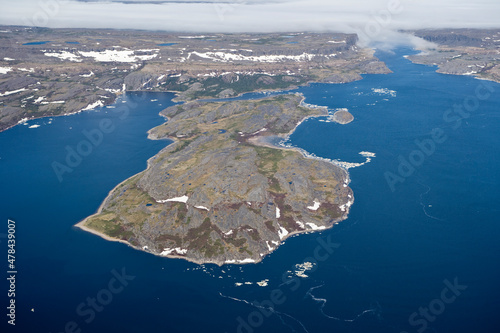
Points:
[[342, 117], [220, 194]]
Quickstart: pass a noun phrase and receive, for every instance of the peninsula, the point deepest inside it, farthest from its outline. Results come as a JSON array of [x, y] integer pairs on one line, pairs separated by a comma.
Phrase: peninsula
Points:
[[219, 194], [50, 72]]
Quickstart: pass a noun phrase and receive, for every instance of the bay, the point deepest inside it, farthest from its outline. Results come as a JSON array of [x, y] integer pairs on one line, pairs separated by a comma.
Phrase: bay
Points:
[[401, 246]]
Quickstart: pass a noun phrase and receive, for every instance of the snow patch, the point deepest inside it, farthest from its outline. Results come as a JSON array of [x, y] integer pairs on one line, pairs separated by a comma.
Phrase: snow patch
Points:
[[346, 206], [7, 93], [278, 213], [64, 55], [39, 99], [315, 227], [93, 106], [182, 199], [282, 232], [315, 206], [244, 261], [87, 75], [5, 70], [177, 250], [229, 57], [119, 56]]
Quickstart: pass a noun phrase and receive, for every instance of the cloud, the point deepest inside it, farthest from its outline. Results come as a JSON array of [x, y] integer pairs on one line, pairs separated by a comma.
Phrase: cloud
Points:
[[373, 20]]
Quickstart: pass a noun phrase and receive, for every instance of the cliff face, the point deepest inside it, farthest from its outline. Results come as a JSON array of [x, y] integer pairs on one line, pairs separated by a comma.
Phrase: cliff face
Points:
[[215, 196]]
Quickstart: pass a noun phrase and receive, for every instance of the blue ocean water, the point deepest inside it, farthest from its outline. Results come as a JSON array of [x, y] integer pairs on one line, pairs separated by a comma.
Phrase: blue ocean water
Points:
[[419, 255]]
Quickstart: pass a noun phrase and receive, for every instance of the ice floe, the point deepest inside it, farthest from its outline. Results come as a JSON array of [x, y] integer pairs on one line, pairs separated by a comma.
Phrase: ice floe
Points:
[[342, 164], [34, 126], [367, 154], [263, 283], [182, 199], [301, 269], [384, 91]]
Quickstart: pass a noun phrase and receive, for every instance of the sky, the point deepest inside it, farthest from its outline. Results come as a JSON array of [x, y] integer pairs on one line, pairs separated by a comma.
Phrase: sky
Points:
[[371, 19]]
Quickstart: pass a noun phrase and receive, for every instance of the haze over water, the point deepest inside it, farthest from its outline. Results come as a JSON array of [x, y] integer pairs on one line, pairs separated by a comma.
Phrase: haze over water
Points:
[[437, 223]]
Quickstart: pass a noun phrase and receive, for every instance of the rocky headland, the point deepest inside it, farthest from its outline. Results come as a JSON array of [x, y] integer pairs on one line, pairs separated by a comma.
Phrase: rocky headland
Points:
[[473, 52]]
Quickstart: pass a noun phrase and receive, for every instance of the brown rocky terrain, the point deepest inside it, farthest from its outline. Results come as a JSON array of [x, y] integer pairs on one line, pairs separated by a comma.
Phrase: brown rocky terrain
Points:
[[463, 52], [48, 72], [215, 196]]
